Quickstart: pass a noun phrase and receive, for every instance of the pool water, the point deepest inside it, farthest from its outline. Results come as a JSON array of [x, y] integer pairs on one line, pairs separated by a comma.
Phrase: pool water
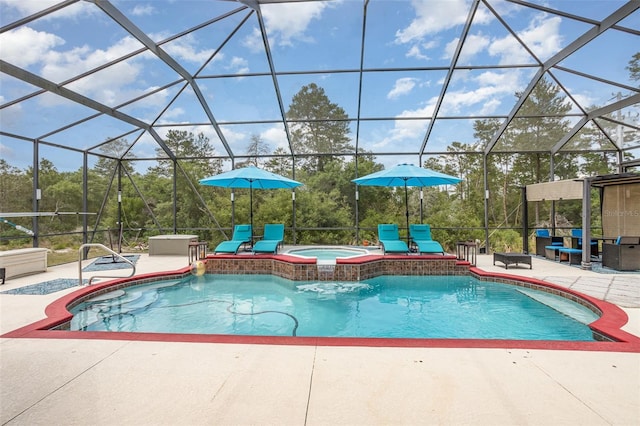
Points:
[[389, 306], [328, 253]]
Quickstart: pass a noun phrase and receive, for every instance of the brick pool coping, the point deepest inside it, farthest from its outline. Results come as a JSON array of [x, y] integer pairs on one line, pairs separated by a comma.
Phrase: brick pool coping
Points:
[[607, 329]]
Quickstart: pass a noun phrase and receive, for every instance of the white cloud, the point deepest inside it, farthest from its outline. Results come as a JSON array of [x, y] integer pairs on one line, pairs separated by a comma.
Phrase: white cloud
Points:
[[402, 87], [491, 86], [172, 113], [158, 99], [238, 65], [29, 7], [186, 48], [142, 10], [275, 137], [435, 16], [106, 85], [473, 44], [505, 80], [542, 36], [460, 76], [28, 48], [254, 42], [416, 52], [432, 18], [507, 48], [287, 23], [490, 106], [25, 46], [61, 65], [584, 100], [408, 131], [431, 44], [237, 141]]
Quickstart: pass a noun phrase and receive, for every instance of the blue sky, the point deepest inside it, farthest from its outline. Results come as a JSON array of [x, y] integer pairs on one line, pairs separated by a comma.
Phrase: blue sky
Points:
[[303, 37]]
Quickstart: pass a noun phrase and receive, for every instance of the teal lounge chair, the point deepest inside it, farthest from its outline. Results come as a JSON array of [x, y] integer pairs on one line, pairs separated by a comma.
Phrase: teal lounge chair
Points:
[[421, 237], [271, 240], [389, 238], [241, 235]]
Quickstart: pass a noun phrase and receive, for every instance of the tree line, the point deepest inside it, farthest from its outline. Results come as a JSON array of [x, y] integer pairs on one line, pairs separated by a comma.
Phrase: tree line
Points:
[[325, 208]]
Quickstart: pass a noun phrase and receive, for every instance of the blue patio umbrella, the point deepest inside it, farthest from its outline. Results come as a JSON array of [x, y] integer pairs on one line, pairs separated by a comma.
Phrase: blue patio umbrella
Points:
[[250, 177], [406, 175]]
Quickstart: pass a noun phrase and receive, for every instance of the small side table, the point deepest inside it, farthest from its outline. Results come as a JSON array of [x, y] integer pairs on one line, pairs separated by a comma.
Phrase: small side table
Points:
[[466, 250], [197, 251]]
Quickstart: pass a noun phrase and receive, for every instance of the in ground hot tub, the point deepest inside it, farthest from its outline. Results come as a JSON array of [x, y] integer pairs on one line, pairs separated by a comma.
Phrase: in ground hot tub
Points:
[[328, 254]]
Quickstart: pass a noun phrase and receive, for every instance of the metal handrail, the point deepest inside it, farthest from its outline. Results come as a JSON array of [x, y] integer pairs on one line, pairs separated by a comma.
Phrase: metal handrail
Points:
[[82, 247]]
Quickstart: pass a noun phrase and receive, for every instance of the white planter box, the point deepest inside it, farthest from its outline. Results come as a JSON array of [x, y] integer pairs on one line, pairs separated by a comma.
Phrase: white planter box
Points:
[[171, 244], [23, 261]]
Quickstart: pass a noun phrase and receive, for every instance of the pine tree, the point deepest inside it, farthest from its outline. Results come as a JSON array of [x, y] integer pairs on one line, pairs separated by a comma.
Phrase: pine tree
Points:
[[318, 126]]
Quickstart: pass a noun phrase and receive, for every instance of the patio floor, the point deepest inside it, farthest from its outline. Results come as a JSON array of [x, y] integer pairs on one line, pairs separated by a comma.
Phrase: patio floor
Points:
[[105, 382]]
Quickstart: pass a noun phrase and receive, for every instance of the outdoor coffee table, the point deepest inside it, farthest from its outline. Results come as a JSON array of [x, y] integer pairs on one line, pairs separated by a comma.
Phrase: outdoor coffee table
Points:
[[511, 258]]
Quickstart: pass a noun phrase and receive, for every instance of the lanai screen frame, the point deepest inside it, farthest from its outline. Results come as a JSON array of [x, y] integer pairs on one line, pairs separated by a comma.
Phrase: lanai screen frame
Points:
[[252, 10]]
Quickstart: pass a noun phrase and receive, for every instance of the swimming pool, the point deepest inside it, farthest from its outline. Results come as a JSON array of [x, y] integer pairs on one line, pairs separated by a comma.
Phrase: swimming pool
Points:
[[388, 306], [328, 254]]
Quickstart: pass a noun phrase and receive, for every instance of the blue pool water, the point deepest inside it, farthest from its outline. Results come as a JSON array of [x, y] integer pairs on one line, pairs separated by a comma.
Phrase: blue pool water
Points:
[[390, 306]]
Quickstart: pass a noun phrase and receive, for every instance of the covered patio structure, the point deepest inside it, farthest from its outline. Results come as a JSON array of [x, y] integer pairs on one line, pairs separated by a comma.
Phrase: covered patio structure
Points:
[[619, 206]]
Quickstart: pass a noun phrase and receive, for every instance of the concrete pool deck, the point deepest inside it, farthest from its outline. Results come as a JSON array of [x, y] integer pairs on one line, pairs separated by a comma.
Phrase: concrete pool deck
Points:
[[105, 382]]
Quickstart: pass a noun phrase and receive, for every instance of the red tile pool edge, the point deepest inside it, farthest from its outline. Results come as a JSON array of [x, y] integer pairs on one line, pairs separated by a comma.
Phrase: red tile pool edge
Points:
[[609, 325]]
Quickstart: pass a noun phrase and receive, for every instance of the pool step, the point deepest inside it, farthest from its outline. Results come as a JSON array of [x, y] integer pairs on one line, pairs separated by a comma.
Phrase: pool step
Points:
[[564, 306]]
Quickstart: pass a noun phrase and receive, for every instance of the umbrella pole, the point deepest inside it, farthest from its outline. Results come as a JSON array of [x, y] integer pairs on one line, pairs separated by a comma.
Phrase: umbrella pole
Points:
[[406, 203], [251, 208], [233, 211]]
